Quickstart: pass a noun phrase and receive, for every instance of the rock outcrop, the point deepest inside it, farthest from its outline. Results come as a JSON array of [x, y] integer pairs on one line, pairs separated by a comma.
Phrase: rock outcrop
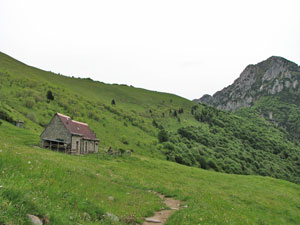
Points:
[[270, 77]]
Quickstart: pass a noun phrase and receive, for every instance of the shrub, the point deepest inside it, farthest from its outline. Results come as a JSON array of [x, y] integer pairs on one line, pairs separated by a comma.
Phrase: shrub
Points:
[[6, 117], [124, 140], [169, 146], [155, 124], [202, 162], [175, 113], [121, 150], [162, 136], [212, 164], [50, 95]]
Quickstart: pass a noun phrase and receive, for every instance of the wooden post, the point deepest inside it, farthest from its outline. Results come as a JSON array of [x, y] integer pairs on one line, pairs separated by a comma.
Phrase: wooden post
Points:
[[50, 145], [57, 146]]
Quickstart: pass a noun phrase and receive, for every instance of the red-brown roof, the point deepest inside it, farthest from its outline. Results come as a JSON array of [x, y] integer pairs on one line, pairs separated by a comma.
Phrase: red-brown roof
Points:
[[77, 128]]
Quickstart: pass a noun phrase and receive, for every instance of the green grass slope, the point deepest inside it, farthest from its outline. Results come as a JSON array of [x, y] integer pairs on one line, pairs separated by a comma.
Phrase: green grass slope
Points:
[[68, 189], [23, 92], [189, 134]]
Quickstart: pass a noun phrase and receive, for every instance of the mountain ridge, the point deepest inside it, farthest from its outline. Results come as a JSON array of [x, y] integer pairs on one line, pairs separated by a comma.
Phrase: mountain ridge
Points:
[[269, 77]]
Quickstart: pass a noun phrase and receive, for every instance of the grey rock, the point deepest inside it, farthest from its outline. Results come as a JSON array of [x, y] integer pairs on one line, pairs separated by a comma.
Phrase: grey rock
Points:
[[287, 84], [295, 84], [152, 220], [34, 219], [271, 115], [205, 99], [112, 217]]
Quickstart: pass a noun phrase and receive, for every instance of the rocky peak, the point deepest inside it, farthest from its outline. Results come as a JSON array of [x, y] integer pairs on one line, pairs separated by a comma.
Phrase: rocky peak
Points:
[[269, 77]]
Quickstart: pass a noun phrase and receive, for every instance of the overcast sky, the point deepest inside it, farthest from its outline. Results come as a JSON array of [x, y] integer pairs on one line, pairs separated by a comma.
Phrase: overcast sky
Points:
[[188, 48]]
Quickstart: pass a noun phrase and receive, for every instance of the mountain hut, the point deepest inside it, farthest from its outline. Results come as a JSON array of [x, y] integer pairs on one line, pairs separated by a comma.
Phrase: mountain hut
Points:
[[66, 135]]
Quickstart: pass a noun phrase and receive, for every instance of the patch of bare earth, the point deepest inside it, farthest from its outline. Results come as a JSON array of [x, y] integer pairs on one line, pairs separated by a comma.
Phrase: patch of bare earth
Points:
[[162, 216]]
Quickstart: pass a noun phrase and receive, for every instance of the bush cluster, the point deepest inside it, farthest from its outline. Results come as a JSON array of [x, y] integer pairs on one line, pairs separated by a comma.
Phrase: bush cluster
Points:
[[233, 144]]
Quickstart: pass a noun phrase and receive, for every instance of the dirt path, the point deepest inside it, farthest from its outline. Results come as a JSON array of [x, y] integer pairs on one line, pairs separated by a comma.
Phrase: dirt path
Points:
[[162, 216]]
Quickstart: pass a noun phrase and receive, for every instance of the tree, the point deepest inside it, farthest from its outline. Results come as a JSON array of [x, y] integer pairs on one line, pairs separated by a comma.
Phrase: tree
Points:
[[175, 113], [50, 95], [154, 123], [113, 102], [162, 136]]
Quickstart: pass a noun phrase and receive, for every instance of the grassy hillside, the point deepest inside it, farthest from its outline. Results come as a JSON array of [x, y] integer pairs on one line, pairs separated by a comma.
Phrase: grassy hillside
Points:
[[68, 189], [150, 123], [23, 96]]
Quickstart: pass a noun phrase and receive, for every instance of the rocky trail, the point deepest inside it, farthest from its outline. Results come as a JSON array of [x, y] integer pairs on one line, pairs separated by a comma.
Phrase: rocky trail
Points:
[[160, 217]]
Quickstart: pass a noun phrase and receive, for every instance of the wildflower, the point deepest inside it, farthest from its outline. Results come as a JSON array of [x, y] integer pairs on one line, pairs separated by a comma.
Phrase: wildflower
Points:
[[29, 162]]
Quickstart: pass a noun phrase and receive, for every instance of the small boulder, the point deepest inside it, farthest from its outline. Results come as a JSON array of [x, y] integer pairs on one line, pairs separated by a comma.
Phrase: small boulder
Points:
[[86, 216], [111, 198], [112, 217], [151, 220], [34, 219]]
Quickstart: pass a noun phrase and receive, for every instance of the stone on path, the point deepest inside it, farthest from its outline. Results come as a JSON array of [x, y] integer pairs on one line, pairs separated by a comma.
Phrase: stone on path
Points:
[[160, 217], [152, 220]]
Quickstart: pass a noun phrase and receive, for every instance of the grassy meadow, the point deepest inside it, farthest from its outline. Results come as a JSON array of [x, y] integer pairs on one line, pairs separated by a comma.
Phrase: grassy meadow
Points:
[[67, 189], [82, 189]]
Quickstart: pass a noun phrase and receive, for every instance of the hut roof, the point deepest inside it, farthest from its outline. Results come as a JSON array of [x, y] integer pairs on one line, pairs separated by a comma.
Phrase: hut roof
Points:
[[77, 128]]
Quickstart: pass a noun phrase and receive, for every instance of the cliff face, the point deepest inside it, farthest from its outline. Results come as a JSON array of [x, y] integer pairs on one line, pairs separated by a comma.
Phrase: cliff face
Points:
[[268, 78]]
